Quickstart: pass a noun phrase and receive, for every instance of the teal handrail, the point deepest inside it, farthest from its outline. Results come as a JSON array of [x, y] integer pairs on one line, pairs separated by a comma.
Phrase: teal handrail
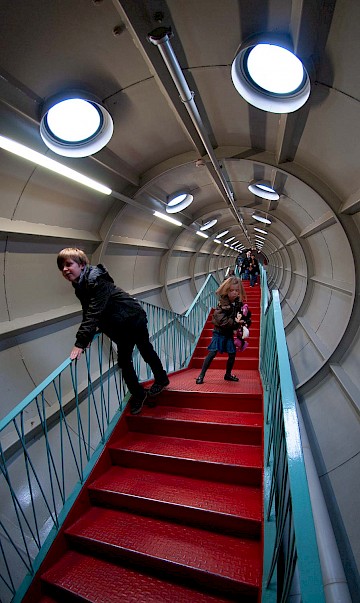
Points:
[[289, 532], [50, 441]]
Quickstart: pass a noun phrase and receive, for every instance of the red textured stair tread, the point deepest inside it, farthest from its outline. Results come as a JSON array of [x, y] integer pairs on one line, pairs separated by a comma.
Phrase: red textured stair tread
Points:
[[219, 417], [241, 455], [100, 581], [118, 532], [231, 499]]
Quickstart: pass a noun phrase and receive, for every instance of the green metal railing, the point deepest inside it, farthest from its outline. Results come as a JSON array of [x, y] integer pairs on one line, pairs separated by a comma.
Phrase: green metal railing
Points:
[[289, 534], [51, 440]]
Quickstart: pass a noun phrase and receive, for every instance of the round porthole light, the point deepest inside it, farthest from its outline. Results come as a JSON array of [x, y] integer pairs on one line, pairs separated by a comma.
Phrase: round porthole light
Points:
[[178, 201], [75, 126], [208, 224], [221, 234], [263, 189], [261, 219], [268, 75]]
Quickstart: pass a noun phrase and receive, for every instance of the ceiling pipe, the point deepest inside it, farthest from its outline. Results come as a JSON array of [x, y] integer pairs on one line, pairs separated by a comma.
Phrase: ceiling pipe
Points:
[[160, 37]]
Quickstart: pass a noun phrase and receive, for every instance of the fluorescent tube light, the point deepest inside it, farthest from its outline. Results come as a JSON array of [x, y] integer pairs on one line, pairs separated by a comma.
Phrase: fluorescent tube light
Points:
[[202, 234], [26, 153], [167, 218]]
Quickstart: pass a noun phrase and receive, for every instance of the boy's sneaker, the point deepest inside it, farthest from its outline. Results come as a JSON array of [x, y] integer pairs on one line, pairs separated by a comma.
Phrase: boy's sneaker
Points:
[[136, 404], [157, 388]]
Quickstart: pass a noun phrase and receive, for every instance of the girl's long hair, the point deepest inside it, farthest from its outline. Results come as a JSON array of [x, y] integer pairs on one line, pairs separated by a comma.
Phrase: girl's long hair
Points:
[[230, 282]]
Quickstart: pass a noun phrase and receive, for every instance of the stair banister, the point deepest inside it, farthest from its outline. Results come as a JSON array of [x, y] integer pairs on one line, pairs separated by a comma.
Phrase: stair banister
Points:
[[289, 530], [26, 531]]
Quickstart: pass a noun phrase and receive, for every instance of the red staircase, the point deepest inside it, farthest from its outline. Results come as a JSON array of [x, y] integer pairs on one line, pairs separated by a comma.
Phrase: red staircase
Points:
[[172, 512]]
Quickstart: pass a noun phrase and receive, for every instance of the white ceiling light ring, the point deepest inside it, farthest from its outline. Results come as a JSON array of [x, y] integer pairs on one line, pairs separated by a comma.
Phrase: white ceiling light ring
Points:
[[178, 201], [75, 124], [222, 234], [261, 219], [208, 224], [291, 95], [263, 189]]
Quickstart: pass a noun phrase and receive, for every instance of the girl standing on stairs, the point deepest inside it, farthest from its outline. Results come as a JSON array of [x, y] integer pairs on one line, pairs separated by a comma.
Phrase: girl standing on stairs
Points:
[[226, 318]]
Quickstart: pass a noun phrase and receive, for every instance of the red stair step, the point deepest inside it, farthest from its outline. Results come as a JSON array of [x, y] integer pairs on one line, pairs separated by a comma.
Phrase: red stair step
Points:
[[238, 401], [251, 351], [208, 460], [220, 362], [97, 580], [176, 549], [211, 425], [215, 505]]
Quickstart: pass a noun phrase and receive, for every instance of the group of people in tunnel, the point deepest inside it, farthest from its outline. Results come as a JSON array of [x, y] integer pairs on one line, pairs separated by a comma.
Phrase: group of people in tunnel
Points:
[[109, 309]]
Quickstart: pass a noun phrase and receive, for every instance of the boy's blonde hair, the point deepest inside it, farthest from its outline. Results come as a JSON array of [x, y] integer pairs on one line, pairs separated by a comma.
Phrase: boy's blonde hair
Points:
[[74, 254], [230, 282]]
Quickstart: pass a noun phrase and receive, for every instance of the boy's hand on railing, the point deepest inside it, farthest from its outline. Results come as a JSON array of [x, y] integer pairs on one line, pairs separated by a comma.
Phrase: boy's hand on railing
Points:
[[75, 353]]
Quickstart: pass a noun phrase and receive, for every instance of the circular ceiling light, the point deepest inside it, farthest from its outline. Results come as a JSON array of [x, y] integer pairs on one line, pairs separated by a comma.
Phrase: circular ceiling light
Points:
[[261, 219], [221, 234], [178, 201], [268, 75], [208, 224], [263, 189], [75, 125]]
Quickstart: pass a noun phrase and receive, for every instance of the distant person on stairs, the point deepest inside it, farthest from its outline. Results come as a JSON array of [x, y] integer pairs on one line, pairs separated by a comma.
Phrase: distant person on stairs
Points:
[[227, 316], [112, 311]]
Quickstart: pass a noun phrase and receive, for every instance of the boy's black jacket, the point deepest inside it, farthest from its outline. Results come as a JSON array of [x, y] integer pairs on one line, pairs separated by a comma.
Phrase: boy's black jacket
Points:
[[105, 306], [225, 313]]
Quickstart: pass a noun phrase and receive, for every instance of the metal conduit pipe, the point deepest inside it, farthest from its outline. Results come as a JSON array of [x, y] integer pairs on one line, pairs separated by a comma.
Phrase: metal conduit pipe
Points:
[[161, 38]]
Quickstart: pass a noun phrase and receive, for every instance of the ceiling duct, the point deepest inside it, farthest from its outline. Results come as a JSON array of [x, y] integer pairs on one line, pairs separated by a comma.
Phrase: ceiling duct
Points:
[[160, 37]]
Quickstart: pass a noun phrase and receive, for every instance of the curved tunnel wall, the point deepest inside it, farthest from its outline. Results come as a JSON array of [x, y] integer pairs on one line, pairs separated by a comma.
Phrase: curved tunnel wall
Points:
[[166, 266], [312, 248]]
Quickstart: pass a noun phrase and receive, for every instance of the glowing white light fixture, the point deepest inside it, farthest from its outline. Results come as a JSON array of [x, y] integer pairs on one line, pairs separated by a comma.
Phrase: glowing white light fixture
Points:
[[260, 238], [228, 240], [263, 189], [261, 219], [202, 234], [221, 234], [178, 201], [260, 230], [268, 75], [208, 224], [27, 153], [167, 218], [217, 241], [75, 124]]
